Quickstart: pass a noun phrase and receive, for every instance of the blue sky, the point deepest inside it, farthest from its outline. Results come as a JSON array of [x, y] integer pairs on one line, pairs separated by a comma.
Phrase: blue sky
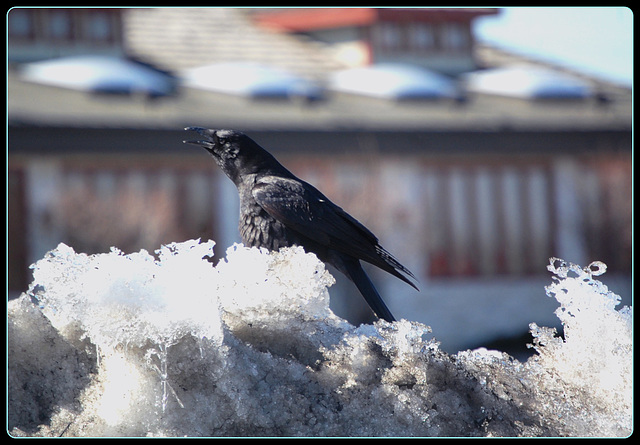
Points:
[[596, 40]]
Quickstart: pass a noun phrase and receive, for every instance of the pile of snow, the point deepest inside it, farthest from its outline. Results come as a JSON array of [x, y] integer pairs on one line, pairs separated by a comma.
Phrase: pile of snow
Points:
[[250, 79], [169, 345], [393, 81], [529, 82], [99, 74]]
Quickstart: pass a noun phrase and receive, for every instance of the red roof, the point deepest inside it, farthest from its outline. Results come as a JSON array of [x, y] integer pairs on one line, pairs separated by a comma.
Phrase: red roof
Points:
[[307, 19]]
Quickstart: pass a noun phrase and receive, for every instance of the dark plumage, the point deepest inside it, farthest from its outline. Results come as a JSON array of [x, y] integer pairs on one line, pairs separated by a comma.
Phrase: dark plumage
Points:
[[279, 210]]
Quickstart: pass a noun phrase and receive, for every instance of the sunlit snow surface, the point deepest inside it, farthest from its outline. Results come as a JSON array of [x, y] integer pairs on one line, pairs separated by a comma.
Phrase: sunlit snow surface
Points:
[[169, 345], [99, 74]]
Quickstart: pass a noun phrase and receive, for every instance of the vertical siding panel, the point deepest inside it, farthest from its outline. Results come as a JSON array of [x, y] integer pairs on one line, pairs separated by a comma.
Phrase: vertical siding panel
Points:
[[196, 208], [18, 275], [42, 197], [487, 223], [539, 216], [513, 220], [459, 222], [438, 223], [569, 237]]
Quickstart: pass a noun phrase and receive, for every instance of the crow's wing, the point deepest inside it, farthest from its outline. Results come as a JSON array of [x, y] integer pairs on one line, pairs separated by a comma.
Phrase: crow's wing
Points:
[[302, 208]]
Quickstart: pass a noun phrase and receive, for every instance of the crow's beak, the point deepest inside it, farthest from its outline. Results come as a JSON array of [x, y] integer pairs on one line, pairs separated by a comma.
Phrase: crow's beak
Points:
[[208, 144]]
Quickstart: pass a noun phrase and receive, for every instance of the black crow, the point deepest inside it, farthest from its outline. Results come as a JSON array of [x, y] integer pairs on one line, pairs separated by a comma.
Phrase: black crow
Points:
[[279, 210]]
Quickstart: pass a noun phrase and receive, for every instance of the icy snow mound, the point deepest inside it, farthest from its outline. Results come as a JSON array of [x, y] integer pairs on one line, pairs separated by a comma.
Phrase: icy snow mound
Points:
[[137, 345]]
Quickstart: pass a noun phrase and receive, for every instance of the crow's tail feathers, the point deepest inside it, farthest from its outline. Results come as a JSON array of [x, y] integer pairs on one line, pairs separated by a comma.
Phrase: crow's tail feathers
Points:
[[394, 267], [356, 273]]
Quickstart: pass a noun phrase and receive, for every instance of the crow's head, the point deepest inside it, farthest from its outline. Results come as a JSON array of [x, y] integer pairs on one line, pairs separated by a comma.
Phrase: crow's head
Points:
[[236, 153]]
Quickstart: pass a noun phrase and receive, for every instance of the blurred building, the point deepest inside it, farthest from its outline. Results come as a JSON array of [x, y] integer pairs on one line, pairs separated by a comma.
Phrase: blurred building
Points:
[[472, 191], [437, 38]]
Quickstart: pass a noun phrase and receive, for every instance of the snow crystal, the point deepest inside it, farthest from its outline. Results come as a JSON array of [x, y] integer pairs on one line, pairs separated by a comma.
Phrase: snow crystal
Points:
[[171, 345], [595, 355], [116, 299]]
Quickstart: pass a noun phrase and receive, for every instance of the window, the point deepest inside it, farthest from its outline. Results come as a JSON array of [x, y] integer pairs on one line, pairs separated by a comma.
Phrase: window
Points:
[[389, 36], [21, 24], [455, 36], [421, 36], [60, 24], [99, 27]]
